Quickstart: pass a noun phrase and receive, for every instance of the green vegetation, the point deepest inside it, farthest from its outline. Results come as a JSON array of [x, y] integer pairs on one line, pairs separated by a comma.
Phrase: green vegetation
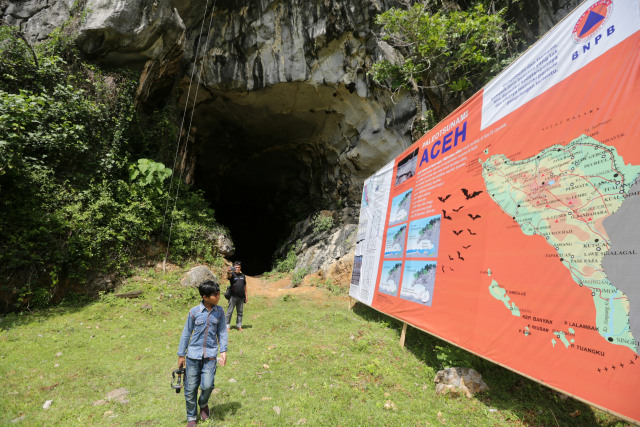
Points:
[[330, 285], [287, 266], [83, 187], [448, 50], [322, 223], [304, 353], [299, 274], [288, 263]]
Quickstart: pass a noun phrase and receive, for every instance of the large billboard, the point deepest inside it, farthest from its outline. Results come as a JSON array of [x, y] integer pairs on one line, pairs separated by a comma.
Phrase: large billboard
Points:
[[512, 229]]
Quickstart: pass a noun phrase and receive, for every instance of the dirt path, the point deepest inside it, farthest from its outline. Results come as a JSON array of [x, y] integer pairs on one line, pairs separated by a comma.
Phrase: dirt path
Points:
[[259, 286], [278, 288]]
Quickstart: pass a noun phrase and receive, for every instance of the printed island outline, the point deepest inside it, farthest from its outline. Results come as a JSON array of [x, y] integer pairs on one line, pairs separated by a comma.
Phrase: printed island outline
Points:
[[564, 194], [424, 237], [501, 294]]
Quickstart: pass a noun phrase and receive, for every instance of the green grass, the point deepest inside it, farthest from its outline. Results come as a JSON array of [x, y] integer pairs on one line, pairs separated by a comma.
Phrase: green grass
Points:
[[317, 361]]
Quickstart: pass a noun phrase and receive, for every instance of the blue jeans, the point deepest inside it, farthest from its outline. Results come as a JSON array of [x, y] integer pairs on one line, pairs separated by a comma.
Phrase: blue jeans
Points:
[[198, 372], [239, 304]]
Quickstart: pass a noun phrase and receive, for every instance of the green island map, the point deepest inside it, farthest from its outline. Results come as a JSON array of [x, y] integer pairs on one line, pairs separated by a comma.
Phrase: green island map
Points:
[[584, 200]]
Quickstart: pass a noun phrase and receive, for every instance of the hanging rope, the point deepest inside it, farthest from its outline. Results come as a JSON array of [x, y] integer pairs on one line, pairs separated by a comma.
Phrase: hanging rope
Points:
[[184, 114]]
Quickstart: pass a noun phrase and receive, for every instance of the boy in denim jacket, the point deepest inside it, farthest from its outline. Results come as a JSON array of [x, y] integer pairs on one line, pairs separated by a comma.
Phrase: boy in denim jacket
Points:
[[204, 334]]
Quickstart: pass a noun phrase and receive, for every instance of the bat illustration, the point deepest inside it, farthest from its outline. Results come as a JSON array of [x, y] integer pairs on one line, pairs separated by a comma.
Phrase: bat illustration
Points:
[[444, 199], [631, 362], [458, 210], [450, 258], [460, 256], [469, 195], [474, 217], [443, 268], [467, 247], [471, 232], [444, 214], [457, 233], [451, 269]]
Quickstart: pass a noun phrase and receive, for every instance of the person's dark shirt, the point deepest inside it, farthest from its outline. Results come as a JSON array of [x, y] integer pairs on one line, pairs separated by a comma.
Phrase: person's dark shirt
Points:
[[238, 284]]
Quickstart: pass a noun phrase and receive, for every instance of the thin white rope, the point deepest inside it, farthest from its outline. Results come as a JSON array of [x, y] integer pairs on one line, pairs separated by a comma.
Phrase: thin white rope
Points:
[[184, 114], [193, 107]]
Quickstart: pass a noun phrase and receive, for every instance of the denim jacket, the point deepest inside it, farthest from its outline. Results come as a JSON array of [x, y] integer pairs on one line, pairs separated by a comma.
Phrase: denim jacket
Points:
[[204, 332]]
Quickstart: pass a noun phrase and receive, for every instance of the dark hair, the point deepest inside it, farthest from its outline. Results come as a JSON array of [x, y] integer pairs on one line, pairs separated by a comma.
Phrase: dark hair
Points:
[[237, 263], [208, 288]]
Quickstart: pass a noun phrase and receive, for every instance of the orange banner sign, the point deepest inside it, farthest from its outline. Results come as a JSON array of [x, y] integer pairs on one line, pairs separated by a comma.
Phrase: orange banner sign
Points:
[[512, 229]]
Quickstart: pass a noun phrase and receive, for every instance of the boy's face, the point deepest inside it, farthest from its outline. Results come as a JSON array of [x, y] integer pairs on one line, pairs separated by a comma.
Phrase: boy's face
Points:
[[212, 299]]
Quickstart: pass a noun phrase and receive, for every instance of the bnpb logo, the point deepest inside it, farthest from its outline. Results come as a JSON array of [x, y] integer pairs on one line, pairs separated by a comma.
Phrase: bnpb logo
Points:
[[592, 20]]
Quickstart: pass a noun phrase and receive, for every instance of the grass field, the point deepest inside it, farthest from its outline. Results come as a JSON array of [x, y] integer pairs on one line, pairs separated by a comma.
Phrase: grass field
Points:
[[303, 359]]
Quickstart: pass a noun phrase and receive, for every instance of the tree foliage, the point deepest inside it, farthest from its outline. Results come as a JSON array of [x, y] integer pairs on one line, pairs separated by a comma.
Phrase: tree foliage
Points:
[[447, 51], [82, 184]]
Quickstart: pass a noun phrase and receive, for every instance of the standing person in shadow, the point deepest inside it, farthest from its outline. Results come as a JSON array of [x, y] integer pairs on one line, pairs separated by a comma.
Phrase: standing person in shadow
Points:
[[239, 296]]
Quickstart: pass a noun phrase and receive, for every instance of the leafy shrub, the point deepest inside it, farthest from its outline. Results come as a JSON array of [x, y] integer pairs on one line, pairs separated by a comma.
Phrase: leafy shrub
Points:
[[82, 184], [322, 223], [299, 274], [288, 263]]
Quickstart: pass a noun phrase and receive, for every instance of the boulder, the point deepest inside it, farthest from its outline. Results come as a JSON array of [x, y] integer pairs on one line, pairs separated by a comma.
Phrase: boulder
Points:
[[457, 381], [197, 275]]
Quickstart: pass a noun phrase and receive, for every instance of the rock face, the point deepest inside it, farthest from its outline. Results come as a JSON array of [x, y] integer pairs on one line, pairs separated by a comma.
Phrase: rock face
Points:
[[284, 120], [457, 381], [36, 18], [122, 32], [323, 249]]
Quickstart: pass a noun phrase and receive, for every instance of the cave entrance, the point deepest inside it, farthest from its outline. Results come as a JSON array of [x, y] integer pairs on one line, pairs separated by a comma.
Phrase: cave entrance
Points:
[[259, 197], [260, 159]]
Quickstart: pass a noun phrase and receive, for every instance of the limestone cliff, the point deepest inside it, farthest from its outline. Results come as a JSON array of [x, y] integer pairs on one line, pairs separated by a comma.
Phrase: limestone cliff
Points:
[[286, 120]]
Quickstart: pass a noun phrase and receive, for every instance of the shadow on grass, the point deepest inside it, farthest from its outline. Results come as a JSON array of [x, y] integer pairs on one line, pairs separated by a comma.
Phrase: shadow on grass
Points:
[[13, 320], [518, 397], [220, 412]]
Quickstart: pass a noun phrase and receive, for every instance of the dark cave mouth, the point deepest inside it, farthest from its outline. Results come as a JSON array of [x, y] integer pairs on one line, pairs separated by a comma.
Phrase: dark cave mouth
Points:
[[262, 160], [256, 237], [259, 201], [258, 193]]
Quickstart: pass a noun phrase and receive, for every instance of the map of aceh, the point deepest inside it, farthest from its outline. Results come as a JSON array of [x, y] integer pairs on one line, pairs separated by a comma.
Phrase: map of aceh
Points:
[[570, 195]]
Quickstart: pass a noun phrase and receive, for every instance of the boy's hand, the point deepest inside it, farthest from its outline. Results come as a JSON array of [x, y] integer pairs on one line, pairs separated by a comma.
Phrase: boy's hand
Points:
[[222, 358], [181, 362]]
